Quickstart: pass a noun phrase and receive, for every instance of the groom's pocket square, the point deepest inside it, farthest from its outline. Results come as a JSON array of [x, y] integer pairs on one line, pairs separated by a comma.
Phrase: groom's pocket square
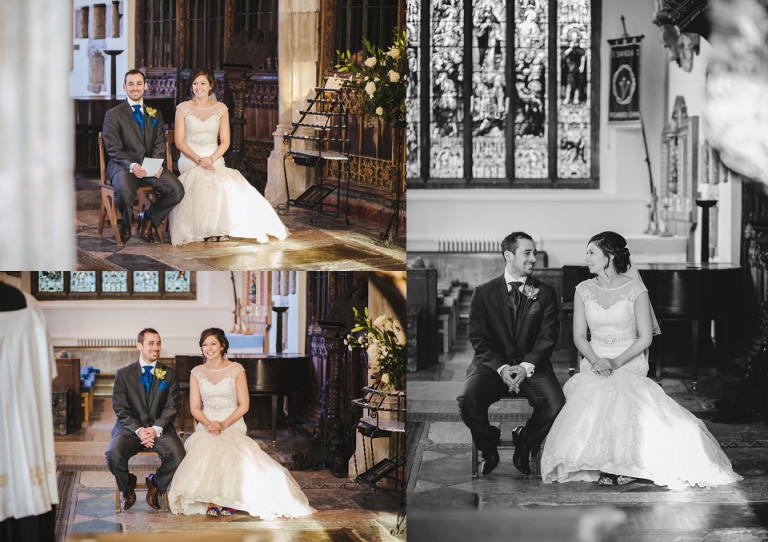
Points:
[[163, 385], [154, 123], [535, 309]]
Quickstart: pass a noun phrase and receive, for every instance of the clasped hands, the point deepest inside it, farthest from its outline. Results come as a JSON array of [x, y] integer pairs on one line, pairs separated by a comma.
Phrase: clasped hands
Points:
[[513, 376], [603, 367], [206, 163], [214, 428], [147, 435]]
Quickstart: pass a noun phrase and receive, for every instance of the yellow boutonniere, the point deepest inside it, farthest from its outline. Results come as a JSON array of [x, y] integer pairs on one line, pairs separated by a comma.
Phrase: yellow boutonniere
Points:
[[151, 111], [159, 373]]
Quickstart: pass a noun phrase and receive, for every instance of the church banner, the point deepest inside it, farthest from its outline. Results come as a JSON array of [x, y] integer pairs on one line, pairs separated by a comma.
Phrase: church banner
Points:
[[624, 94]]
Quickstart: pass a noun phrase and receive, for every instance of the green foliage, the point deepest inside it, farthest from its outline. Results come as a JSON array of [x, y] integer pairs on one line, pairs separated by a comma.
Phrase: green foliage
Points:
[[384, 341]]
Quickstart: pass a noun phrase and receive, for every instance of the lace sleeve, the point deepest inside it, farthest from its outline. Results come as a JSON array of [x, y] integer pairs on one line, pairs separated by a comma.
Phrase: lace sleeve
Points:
[[197, 373], [636, 291], [581, 289], [183, 108], [219, 110], [236, 369]]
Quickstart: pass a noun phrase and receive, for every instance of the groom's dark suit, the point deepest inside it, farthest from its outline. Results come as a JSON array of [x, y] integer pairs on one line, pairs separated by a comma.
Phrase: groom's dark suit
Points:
[[501, 335], [135, 409], [125, 144]]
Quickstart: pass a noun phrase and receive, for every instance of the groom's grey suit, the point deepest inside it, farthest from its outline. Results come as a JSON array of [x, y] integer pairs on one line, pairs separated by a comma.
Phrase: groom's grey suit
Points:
[[136, 409], [125, 144]]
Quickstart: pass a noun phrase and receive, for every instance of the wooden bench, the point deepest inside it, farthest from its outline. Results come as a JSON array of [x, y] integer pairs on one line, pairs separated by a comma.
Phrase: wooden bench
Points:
[[140, 484]]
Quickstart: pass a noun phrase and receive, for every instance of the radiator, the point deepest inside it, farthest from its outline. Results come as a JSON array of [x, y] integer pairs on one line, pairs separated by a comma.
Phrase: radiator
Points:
[[105, 341], [469, 245]]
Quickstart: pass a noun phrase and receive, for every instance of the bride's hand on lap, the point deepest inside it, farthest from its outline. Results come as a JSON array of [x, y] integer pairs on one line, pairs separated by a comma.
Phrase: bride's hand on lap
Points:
[[602, 367], [207, 163]]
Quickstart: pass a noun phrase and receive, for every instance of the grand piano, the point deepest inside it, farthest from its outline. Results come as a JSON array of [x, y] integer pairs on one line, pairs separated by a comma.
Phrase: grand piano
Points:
[[697, 293], [274, 375]]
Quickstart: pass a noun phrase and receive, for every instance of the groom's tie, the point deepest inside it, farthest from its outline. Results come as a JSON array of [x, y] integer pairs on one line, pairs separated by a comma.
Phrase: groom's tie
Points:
[[514, 293], [146, 378], [137, 116]]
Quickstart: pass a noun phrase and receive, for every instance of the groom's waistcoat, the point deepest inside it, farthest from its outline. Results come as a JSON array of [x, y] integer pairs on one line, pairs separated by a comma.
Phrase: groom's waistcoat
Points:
[[501, 334], [135, 409]]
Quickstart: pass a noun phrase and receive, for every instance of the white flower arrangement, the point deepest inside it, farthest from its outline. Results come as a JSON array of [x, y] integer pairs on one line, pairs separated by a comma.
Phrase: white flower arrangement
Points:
[[384, 341]]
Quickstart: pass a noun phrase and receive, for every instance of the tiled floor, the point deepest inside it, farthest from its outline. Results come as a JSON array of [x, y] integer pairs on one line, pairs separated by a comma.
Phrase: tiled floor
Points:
[[329, 244], [440, 475], [88, 503]]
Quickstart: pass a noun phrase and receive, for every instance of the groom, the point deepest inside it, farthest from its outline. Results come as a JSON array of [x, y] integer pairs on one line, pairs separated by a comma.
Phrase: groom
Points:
[[513, 327], [131, 133], [145, 399]]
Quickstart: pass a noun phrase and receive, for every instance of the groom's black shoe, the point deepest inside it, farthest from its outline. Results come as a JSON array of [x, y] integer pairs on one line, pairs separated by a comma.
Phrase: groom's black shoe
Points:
[[491, 457], [152, 492], [144, 227], [129, 495], [522, 454]]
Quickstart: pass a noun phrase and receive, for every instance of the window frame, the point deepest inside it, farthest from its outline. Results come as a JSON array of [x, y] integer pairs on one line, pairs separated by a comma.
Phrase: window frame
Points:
[[67, 295], [510, 181]]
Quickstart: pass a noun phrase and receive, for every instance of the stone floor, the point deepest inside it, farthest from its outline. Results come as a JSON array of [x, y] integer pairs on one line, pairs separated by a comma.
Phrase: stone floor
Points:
[[440, 476], [87, 494], [329, 244]]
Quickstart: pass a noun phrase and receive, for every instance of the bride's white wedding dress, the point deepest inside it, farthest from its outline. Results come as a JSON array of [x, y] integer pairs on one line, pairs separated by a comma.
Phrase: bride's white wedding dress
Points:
[[230, 469], [625, 424], [220, 202]]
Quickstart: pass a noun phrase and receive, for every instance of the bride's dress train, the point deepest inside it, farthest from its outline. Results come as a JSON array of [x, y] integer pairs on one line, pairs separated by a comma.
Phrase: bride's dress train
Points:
[[220, 202], [625, 424], [230, 469]]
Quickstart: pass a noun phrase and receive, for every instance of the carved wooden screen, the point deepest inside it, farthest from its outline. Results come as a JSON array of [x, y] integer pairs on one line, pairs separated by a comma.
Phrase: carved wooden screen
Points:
[[343, 25], [680, 174], [505, 93]]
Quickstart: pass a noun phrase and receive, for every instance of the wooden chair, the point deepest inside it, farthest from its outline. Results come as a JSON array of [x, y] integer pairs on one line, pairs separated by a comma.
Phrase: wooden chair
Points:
[[140, 484], [144, 197]]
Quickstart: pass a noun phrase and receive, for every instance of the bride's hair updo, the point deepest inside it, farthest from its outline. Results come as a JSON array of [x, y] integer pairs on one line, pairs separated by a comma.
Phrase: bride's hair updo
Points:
[[220, 336], [613, 244], [208, 75]]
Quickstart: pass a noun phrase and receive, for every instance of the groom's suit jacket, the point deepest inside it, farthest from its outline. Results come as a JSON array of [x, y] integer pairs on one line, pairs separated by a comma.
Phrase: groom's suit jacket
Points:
[[134, 409], [125, 142], [500, 338]]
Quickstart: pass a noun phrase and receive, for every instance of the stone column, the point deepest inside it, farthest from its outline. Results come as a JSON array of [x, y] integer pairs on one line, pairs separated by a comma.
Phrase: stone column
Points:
[[297, 61]]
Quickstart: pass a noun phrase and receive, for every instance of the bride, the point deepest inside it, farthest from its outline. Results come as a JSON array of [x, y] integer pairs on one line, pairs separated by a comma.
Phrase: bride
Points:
[[224, 470], [218, 201], [618, 425]]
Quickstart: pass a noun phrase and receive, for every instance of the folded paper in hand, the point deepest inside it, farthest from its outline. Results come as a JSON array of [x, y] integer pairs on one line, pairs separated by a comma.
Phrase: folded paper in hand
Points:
[[152, 165]]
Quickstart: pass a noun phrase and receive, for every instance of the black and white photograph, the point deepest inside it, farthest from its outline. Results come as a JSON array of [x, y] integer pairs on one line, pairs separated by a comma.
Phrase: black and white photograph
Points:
[[586, 276]]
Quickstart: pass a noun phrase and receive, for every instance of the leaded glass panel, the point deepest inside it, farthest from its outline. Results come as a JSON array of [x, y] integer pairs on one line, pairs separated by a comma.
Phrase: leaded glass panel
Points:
[[531, 67], [114, 281], [146, 281], [489, 89], [446, 93], [50, 281], [573, 101], [413, 113], [177, 281], [82, 281]]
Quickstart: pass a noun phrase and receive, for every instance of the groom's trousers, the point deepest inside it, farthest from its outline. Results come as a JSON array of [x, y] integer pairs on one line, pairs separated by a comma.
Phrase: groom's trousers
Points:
[[123, 447], [542, 390], [168, 188]]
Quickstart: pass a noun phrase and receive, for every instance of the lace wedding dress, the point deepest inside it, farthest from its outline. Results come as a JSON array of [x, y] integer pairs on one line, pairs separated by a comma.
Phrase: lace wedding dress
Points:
[[219, 202], [625, 424], [230, 469]]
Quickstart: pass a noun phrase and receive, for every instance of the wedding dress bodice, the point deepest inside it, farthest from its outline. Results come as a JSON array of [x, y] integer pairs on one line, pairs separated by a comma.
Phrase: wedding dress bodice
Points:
[[219, 394], [611, 319], [201, 126]]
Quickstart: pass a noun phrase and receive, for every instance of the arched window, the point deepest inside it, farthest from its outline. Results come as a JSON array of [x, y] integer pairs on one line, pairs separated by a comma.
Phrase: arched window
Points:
[[493, 104]]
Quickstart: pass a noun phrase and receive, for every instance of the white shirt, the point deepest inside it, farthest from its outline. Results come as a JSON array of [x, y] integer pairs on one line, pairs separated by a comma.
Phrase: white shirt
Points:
[[132, 103], [143, 364], [529, 367]]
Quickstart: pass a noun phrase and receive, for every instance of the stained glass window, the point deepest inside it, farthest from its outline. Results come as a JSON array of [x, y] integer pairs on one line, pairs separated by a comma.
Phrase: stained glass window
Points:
[[413, 96], [446, 89], [114, 281], [50, 281], [510, 90], [62, 285], [176, 281], [82, 281], [146, 281]]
